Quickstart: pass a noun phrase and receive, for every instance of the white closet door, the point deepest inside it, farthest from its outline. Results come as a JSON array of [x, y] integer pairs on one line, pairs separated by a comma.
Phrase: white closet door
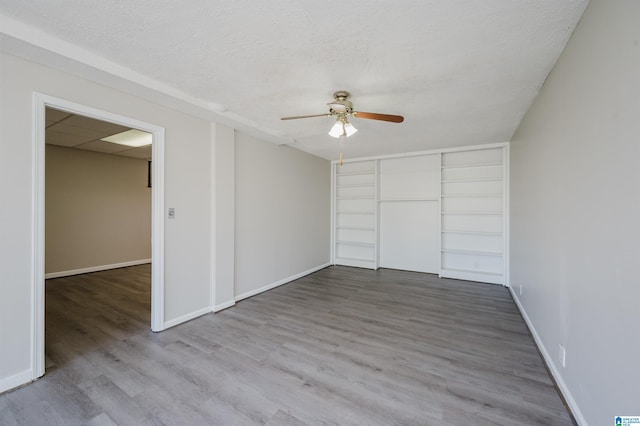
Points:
[[409, 233], [409, 213]]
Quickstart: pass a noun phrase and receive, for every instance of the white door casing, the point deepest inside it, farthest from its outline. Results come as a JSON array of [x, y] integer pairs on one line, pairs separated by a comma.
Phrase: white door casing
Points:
[[40, 103]]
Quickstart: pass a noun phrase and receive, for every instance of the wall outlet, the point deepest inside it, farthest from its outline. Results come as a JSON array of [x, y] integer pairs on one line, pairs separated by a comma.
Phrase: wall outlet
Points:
[[520, 289], [562, 355]]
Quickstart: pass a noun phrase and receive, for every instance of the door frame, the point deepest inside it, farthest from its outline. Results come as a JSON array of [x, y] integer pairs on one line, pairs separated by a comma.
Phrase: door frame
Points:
[[40, 103]]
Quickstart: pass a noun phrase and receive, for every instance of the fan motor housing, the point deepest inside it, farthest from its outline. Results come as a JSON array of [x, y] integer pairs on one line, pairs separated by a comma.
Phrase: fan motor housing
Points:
[[341, 105]]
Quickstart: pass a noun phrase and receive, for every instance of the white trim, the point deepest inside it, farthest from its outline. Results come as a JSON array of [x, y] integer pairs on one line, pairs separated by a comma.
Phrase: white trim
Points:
[[157, 229], [213, 214], [16, 380], [95, 269], [332, 238], [573, 405], [225, 305], [187, 317], [506, 236], [40, 102], [429, 152], [37, 269], [280, 282]]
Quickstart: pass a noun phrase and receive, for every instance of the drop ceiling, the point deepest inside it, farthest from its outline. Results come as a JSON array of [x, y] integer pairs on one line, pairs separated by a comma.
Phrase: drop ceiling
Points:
[[79, 132], [460, 72]]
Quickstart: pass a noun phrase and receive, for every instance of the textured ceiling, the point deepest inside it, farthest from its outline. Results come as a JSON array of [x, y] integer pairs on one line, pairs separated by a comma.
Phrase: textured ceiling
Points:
[[461, 72]]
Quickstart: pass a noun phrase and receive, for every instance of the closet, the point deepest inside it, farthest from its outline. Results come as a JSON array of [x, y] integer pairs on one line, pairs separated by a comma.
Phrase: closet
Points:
[[441, 212]]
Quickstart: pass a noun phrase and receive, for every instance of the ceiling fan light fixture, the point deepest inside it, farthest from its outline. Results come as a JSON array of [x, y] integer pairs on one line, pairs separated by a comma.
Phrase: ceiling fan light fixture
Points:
[[342, 127], [337, 130], [349, 129]]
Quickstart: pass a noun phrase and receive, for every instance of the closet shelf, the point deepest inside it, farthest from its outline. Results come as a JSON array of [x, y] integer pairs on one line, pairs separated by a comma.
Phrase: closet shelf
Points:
[[355, 243], [472, 271], [355, 212], [472, 196], [471, 165], [361, 259], [357, 197], [498, 179], [460, 231], [357, 185], [359, 228], [478, 213], [478, 252], [371, 173], [408, 199]]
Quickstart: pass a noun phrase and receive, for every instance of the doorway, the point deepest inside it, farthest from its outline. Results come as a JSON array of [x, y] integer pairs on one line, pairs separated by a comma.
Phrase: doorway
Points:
[[41, 103]]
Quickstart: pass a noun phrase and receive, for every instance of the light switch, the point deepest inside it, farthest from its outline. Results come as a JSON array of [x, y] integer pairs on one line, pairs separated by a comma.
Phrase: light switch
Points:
[[172, 213]]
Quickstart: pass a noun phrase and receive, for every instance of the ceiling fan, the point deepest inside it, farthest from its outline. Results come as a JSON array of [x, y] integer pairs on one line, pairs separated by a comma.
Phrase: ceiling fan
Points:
[[341, 108]]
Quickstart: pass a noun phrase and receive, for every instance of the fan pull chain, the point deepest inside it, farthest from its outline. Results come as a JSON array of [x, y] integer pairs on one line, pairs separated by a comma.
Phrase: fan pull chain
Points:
[[341, 158]]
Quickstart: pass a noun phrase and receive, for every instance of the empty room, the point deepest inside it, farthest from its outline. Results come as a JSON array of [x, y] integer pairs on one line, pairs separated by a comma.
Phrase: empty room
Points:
[[354, 213]]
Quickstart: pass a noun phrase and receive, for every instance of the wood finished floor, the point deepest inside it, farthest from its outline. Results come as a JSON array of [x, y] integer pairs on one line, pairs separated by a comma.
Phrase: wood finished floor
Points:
[[342, 346]]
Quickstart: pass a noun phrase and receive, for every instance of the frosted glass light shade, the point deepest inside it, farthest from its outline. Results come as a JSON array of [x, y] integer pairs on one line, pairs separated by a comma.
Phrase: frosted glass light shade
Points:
[[342, 128], [349, 129], [337, 130]]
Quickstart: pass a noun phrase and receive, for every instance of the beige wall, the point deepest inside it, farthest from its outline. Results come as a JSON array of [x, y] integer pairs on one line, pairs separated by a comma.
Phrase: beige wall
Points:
[[97, 210], [575, 213]]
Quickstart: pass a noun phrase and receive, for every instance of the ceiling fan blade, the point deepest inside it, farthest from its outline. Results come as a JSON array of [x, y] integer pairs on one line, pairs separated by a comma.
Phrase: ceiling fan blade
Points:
[[376, 116], [305, 116]]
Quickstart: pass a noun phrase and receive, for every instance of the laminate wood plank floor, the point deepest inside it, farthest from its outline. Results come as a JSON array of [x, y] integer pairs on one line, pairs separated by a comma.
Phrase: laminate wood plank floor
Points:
[[342, 346]]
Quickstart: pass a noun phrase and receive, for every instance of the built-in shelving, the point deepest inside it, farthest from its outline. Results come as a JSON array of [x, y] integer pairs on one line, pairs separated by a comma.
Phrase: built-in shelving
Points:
[[355, 214], [441, 212], [473, 215]]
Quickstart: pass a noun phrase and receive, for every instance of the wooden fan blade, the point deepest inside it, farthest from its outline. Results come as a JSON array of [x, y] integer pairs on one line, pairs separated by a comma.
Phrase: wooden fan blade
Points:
[[305, 116], [376, 116]]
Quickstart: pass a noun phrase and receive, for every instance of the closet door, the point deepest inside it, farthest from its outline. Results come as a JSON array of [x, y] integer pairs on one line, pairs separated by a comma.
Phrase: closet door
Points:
[[409, 213], [473, 215]]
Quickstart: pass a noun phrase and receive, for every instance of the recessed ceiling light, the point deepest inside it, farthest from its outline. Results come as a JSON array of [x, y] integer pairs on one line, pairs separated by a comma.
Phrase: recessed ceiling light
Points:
[[133, 137]]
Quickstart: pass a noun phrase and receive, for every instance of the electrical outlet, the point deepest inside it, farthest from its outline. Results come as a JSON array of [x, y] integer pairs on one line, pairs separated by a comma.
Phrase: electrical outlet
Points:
[[562, 355], [520, 289]]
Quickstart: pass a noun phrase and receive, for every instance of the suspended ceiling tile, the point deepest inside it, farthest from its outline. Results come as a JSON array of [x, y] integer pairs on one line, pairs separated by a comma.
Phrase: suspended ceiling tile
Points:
[[53, 116], [102, 146], [56, 137], [141, 152], [98, 126]]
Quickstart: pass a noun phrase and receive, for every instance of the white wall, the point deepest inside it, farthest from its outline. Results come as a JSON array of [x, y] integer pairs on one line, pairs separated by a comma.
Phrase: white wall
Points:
[[188, 190], [98, 210], [226, 240], [282, 214], [223, 244], [575, 213]]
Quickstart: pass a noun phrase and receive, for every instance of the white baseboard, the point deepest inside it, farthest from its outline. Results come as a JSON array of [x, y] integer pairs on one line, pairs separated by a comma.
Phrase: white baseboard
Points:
[[95, 269], [279, 283], [575, 410], [16, 380], [187, 317], [225, 305]]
